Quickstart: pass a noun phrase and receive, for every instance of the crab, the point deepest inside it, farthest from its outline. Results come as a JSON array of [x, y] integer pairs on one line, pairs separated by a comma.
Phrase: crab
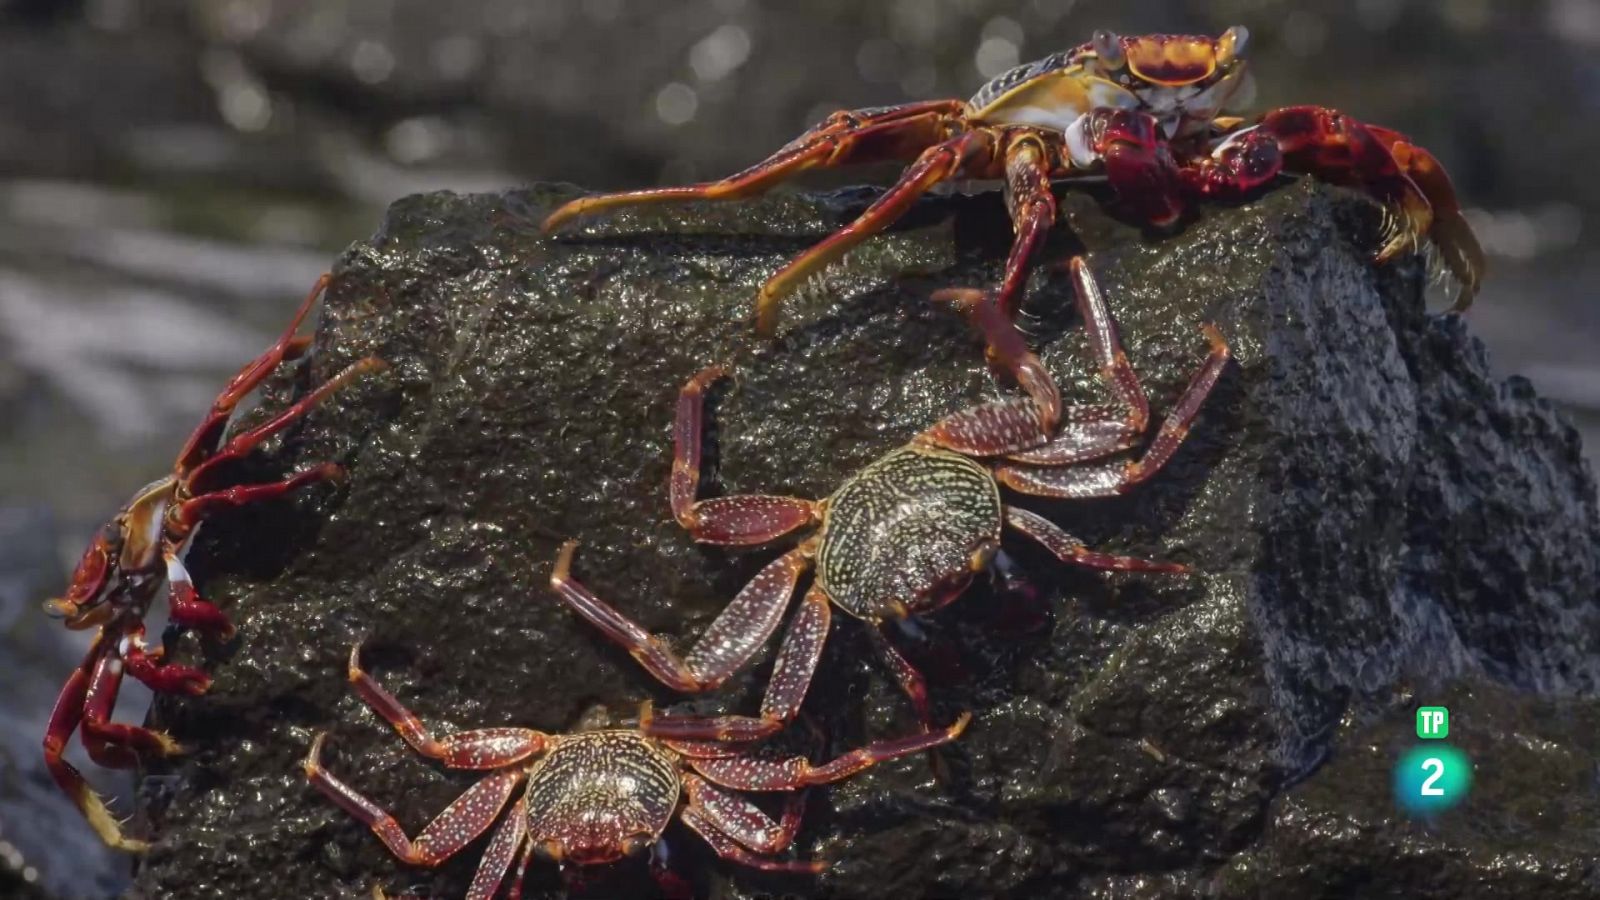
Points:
[[595, 797], [906, 534], [1145, 112], [120, 574]]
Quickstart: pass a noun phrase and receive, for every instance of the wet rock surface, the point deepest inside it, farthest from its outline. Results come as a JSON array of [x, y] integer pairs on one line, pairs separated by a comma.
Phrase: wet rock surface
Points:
[[1374, 522]]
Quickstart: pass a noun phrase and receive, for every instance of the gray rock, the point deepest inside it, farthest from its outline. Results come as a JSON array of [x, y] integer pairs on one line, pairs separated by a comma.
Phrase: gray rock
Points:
[[1375, 523]]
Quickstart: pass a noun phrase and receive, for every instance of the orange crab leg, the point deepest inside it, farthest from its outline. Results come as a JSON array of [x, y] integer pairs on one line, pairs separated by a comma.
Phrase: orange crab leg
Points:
[[970, 150], [248, 440], [895, 133], [1462, 253], [287, 347]]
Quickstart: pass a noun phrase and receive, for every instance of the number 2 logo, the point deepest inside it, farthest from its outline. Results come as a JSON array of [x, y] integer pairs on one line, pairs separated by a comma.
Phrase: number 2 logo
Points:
[[1436, 765]]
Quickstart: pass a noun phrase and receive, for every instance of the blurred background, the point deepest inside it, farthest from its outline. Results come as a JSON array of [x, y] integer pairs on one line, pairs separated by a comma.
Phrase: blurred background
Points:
[[174, 175]]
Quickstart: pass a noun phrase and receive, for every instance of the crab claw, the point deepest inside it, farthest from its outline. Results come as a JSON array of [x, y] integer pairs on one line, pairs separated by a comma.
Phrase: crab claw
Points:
[[82, 605], [1458, 247]]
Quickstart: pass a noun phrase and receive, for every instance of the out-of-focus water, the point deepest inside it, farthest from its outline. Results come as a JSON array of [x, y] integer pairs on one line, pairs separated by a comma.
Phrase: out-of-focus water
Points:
[[174, 175]]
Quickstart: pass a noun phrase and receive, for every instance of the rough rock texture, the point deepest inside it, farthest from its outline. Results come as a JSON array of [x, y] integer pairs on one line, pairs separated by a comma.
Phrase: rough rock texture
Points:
[[1376, 523]]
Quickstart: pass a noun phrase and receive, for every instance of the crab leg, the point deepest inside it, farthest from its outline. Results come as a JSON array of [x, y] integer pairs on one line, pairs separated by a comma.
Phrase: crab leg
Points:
[[1022, 430], [1070, 550], [204, 438], [1000, 426], [192, 511], [510, 837], [65, 717], [515, 891], [1033, 211], [728, 848], [730, 521], [1458, 245], [742, 820], [248, 440], [184, 603], [112, 744], [734, 636], [941, 162], [145, 665], [910, 679], [462, 821], [867, 135], [482, 748], [1094, 431], [730, 824], [1117, 477], [752, 774], [786, 689]]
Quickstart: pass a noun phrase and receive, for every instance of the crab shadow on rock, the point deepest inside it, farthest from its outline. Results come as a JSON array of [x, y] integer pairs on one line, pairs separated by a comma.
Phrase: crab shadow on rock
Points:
[[1368, 512]]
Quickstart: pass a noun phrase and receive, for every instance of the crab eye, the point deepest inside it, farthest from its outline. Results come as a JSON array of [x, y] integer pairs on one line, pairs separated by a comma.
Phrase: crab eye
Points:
[[1108, 48], [1232, 43]]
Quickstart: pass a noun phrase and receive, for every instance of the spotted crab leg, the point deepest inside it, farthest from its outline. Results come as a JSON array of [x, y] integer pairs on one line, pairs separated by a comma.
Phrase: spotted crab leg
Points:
[[482, 748], [730, 824], [747, 773], [1033, 211], [1038, 430], [741, 520], [786, 688], [1112, 478], [908, 676], [526, 856], [999, 426], [1096, 430], [461, 822], [734, 636], [511, 836], [1070, 550]]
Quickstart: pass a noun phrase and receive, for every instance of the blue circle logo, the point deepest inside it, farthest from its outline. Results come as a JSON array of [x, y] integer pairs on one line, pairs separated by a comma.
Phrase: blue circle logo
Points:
[[1432, 778]]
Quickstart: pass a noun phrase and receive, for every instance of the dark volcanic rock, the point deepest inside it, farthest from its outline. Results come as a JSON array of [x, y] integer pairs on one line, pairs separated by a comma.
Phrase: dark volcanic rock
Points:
[[1375, 524]]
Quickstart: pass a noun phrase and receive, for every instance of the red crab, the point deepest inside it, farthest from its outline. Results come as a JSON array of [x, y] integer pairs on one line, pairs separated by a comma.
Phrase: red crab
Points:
[[143, 546], [594, 797], [906, 534], [1145, 112]]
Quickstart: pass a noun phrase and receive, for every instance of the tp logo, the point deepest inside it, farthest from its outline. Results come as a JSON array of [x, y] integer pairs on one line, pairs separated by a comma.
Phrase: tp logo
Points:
[[1431, 778], [1433, 723]]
